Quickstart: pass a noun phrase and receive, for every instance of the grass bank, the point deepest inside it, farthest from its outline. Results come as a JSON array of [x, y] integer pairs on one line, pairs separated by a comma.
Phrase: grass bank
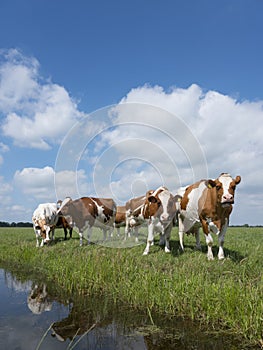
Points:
[[222, 294]]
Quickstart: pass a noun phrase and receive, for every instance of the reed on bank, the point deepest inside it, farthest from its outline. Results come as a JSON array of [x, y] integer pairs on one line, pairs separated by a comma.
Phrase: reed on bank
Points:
[[224, 294]]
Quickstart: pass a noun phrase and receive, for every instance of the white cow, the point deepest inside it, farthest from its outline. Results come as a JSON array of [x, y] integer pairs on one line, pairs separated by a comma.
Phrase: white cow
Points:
[[44, 221]]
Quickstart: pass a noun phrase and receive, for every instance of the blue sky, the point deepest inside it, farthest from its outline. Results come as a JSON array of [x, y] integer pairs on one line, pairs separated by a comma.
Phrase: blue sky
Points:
[[61, 61]]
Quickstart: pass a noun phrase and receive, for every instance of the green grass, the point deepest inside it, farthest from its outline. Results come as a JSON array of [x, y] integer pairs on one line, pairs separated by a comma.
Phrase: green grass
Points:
[[224, 294]]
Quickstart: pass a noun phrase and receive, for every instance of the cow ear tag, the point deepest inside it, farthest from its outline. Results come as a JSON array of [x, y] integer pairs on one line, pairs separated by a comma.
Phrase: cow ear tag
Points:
[[209, 186]]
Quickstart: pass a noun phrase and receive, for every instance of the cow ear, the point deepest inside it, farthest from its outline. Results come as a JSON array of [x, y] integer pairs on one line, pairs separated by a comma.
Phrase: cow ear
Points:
[[237, 179], [65, 201], [149, 193], [152, 199], [211, 183]]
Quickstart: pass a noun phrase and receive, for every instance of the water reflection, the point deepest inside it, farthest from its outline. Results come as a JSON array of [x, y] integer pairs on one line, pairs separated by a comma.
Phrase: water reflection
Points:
[[36, 314], [38, 300]]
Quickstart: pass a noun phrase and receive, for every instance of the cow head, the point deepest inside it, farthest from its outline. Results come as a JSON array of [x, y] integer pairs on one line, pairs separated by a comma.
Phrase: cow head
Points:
[[225, 187], [161, 204], [64, 207], [40, 228]]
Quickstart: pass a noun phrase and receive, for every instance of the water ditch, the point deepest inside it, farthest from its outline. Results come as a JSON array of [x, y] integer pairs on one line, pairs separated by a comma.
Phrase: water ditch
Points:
[[37, 315]]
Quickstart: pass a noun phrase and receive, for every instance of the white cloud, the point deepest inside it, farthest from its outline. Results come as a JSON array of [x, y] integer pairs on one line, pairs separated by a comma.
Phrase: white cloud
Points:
[[36, 182], [36, 112], [229, 132], [44, 185]]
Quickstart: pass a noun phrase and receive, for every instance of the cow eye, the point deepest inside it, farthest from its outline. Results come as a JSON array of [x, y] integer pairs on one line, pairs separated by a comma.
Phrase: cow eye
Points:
[[218, 187]]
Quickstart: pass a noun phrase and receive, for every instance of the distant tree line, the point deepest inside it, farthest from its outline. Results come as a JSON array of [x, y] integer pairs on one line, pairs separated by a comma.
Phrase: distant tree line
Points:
[[29, 224], [15, 224]]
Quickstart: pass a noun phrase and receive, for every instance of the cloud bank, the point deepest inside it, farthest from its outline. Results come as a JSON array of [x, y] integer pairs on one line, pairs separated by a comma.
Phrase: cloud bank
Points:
[[151, 137]]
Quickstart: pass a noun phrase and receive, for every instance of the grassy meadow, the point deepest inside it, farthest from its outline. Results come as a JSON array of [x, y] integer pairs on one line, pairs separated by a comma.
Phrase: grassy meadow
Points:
[[226, 295]]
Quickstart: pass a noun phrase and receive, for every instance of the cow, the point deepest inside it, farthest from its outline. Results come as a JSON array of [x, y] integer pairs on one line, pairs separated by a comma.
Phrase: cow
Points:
[[64, 222], [134, 215], [159, 209], [208, 204], [87, 212], [44, 221]]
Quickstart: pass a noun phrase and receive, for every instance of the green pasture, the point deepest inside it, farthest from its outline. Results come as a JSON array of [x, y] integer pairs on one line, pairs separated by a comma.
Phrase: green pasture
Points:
[[224, 295]]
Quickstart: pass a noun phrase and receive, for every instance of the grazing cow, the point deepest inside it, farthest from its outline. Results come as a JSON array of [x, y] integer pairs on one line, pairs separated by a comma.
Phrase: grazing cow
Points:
[[44, 221], [208, 204], [87, 212], [160, 210], [134, 215]]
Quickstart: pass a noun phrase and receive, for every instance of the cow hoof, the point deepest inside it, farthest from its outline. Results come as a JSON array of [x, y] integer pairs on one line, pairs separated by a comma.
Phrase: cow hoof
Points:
[[210, 258], [145, 253], [221, 257], [167, 250]]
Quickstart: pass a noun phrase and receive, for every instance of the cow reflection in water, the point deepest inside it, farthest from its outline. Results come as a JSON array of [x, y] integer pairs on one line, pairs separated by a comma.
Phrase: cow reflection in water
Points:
[[38, 300]]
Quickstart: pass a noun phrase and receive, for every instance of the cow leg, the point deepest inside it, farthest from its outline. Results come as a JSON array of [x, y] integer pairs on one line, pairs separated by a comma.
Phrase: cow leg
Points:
[[127, 225], [197, 239], [65, 233], [209, 242], [127, 230], [111, 229], [52, 234], [47, 229], [104, 230], [162, 240], [80, 238], [167, 235], [37, 233], [89, 234], [136, 232], [37, 245], [221, 239], [70, 232], [181, 232], [149, 238]]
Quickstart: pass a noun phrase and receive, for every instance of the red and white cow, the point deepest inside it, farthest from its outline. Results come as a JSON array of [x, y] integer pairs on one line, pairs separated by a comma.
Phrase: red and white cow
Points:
[[44, 221], [87, 212], [208, 204], [160, 210]]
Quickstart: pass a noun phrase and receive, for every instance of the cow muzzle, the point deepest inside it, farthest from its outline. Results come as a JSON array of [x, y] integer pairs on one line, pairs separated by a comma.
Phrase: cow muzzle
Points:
[[226, 204], [165, 218]]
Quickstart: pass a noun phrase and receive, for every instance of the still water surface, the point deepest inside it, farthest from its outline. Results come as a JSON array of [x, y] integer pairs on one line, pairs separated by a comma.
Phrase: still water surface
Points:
[[34, 315]]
